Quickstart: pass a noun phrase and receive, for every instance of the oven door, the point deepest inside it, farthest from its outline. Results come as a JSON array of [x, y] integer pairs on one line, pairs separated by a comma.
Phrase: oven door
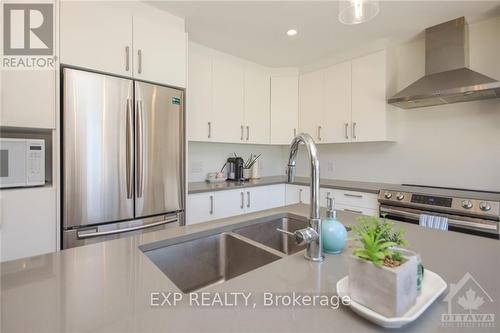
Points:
[[459, 223]]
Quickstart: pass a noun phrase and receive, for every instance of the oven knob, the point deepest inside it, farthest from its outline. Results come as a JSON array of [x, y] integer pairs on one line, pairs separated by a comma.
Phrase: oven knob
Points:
[[467, 204], [388, 195], [484, 206], [400, 196]]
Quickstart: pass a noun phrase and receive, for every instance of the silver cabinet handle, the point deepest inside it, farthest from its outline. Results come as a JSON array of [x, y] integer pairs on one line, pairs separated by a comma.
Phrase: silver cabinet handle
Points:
[[211, 212], [129, 150], [319, 133], [127, 58], [300, 195], [354, 131], [209, 129], [248, 199], [346, 128], [353, 195], [353, 211], [140, 149], [294, 132], [242, 200], [242, 130], [83, 234], [248, 133], [139, 54]]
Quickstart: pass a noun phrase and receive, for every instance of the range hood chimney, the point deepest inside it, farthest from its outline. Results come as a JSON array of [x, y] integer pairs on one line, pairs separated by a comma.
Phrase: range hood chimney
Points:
[[447, 76]]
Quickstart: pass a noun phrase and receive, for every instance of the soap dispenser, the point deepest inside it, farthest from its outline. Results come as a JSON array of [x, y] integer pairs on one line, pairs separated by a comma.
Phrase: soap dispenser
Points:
[[334, 234]]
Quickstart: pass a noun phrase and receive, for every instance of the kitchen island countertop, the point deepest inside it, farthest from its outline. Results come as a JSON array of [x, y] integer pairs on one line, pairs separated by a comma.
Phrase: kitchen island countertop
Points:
[[106, 287]]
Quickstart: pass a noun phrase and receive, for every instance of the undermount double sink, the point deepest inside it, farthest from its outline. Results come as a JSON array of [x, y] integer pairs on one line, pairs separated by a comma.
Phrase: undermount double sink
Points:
[[204, 261]]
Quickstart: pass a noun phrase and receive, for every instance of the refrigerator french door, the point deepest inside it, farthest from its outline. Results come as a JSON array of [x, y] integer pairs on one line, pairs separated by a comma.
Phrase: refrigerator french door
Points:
[[123, 157]]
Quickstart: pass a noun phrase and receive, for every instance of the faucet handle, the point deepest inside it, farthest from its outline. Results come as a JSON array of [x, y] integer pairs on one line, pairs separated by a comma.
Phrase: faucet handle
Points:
[[302, 236]]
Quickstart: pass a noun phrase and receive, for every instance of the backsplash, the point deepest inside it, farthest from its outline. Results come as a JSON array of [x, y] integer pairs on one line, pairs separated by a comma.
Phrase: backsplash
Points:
[[210, 157]]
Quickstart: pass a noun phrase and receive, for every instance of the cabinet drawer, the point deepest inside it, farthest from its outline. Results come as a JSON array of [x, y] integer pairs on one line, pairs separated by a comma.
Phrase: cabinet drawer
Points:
[[356, 199], [357, 210]]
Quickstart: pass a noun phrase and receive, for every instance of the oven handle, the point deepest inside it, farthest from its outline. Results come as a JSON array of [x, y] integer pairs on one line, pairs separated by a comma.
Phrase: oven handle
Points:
[[451, 221], [119, 231]]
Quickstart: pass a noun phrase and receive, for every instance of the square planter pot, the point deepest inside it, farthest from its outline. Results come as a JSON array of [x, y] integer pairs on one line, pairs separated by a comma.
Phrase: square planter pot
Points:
[[388, 291]]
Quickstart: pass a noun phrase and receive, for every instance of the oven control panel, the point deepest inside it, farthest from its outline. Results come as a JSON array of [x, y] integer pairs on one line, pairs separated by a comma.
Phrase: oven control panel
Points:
[[490, 209]]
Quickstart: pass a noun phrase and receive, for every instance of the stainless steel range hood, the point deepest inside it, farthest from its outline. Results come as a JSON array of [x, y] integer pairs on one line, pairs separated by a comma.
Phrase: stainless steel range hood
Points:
[[447, 76]]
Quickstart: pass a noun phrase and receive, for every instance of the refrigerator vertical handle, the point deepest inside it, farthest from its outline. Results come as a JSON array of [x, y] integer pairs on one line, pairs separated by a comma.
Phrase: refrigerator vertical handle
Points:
[[140, 150], [129, 150]]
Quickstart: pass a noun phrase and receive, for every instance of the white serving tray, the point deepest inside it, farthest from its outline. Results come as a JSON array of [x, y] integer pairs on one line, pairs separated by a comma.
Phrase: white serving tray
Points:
[[432, 286]]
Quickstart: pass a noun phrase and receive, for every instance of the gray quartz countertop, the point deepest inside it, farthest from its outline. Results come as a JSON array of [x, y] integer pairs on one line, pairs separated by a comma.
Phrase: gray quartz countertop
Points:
[[369, 187], [106, 287]]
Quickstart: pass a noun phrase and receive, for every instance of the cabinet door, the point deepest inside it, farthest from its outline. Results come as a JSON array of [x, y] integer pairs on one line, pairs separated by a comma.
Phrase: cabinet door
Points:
[[337, 113], [159, 48], [200, 207], [229, 203], [369, 98], [257, 91], [264, 197], [311, 104], [28, 232], [284, 109], [297, 194], [199, 96], [37, 111], [96, 35], [228, 100]]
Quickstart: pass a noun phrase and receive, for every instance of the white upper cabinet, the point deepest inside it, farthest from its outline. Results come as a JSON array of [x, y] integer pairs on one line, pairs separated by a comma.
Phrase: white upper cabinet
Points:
[[370, 111], [130, 39], [199, 96], [284, 109], [159, 47], [228, 100], [337, 111], [257, 99], [347, 102], [311, 104], [97, 35]]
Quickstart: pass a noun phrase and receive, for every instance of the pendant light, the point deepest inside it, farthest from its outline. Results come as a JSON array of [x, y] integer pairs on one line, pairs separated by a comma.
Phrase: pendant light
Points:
[[357, 11]]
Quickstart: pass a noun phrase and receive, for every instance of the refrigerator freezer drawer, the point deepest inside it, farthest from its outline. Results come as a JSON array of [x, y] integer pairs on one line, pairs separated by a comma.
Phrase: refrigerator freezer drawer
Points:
[[96, 234]]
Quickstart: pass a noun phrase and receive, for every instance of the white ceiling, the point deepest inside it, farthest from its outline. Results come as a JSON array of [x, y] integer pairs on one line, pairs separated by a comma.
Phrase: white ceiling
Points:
[[257, 30]]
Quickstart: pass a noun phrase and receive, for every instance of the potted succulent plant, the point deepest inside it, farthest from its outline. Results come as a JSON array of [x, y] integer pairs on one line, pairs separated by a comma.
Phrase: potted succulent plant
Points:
[[380, 277]]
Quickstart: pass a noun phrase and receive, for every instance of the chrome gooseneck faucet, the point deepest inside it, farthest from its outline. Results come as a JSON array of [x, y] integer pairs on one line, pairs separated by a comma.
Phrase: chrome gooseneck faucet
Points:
[[312, 234]]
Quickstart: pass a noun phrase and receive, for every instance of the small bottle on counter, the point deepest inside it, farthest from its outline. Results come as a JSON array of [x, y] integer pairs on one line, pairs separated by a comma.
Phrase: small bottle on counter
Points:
[[334, 234]]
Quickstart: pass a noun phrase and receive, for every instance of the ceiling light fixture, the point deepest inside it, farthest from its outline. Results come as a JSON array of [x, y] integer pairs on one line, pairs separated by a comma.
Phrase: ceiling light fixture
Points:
[[291, 32], [357, 11]]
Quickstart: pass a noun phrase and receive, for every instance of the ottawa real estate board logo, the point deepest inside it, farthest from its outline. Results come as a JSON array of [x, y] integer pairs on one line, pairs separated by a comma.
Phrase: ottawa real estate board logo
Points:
[[28, 36], [469, 305]]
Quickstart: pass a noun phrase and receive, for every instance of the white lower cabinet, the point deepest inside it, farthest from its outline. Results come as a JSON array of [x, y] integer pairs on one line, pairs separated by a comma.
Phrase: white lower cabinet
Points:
[[200, 207], [351, 201], [297, 194], [264, 197], [28, 222], [203, 207]]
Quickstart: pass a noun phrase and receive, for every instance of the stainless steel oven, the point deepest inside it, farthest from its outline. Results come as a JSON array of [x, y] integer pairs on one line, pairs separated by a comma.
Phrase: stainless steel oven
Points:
[[471, 212]]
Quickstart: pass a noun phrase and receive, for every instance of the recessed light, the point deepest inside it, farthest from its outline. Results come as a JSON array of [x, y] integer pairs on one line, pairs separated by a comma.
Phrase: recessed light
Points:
[[291, 32]]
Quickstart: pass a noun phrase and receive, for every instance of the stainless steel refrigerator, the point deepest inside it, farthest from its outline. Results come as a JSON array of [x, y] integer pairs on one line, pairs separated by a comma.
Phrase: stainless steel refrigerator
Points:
[[123, 157]]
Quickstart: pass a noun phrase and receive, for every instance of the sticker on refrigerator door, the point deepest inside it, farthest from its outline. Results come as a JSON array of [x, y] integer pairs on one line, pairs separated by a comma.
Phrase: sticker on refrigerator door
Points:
[[176, 101]]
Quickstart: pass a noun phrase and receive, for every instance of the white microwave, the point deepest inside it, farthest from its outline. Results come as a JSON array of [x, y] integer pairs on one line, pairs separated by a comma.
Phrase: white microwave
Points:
[[22, 162]]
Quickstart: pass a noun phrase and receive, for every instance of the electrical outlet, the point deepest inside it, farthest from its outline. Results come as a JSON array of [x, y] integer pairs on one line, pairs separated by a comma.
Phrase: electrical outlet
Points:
[[329, 166], [197, 167]]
